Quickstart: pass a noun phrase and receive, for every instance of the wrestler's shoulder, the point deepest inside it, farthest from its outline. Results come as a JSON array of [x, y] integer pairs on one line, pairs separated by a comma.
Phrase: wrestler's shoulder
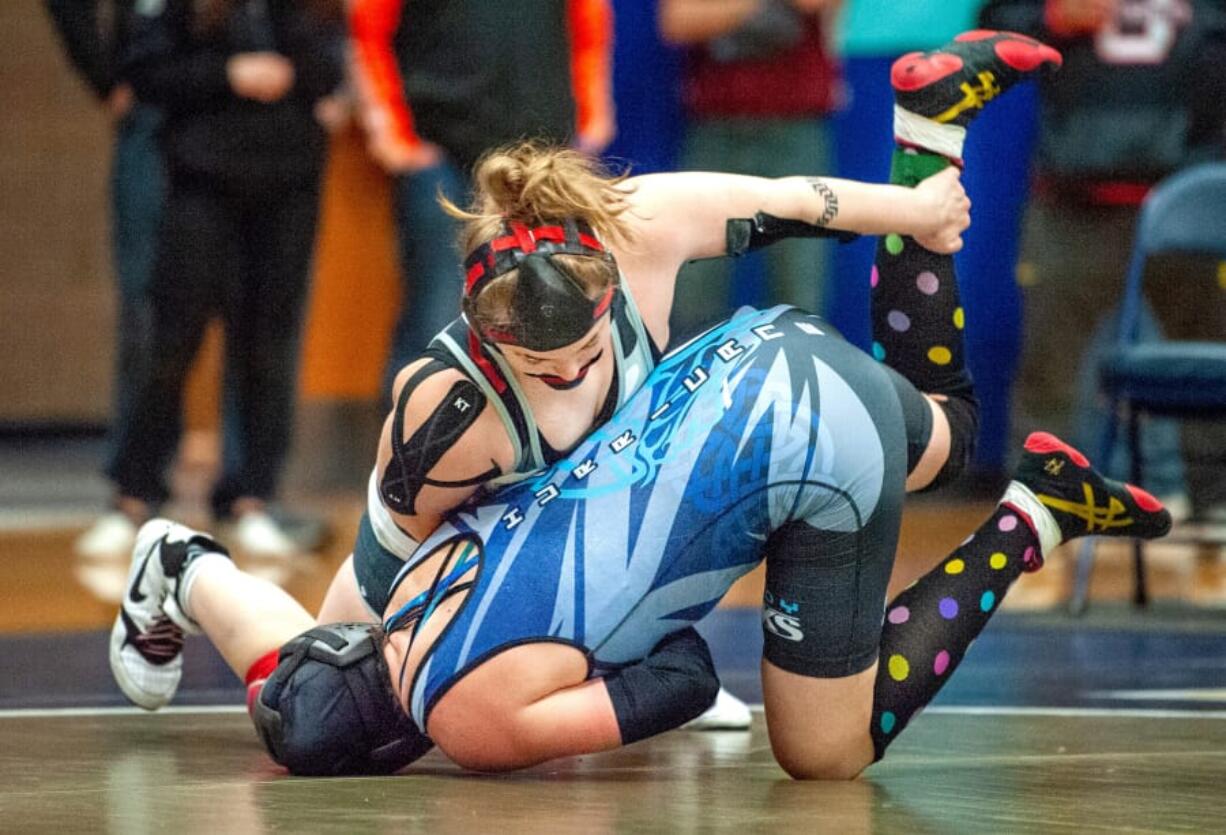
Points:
[[463, 423]]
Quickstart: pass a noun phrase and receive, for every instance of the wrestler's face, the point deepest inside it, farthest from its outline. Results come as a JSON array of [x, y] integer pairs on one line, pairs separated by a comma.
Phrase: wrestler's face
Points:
[[566, 367]]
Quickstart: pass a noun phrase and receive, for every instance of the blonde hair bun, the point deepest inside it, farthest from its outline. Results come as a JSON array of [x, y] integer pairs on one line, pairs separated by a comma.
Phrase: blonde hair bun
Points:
[[534, 182]]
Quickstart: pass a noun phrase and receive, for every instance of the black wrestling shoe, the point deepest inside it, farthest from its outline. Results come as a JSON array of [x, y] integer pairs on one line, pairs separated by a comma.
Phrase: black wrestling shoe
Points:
[[952, 84], [1079, 499]]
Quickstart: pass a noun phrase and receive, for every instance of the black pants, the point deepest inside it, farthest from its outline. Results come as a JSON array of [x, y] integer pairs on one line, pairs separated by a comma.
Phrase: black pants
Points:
[[243, 254]]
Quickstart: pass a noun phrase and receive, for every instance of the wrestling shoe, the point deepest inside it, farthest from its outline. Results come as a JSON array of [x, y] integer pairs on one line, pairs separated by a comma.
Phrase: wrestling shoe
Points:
[[146, 648], [952, 84], [937, 94], [728, 713], [1065, 498]]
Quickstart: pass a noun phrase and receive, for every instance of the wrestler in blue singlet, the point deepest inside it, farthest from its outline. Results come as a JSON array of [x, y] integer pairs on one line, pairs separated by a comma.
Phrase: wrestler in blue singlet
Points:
[[769, 435]]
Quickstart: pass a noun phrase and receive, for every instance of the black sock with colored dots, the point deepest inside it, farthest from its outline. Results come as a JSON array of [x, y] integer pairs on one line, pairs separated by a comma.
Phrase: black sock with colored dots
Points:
[[930, 625], [917, 314], [1056, 496]]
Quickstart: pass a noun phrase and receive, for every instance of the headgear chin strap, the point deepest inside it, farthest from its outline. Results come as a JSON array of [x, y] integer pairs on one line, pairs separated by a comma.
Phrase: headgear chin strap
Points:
[[549, 309]]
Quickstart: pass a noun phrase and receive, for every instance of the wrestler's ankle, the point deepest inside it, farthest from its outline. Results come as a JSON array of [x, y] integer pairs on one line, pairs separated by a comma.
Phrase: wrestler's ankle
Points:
[[200, 565], [1022, 500]]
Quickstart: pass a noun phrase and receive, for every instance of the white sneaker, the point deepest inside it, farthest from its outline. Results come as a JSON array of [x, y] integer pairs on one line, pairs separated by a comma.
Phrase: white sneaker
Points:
[[111, 537], [258, 535], [727, 714], [146, 651]]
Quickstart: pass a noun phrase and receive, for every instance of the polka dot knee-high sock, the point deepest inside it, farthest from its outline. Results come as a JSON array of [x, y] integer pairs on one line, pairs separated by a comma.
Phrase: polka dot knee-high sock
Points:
[[930, 625], [1056, 496], [917, 315]]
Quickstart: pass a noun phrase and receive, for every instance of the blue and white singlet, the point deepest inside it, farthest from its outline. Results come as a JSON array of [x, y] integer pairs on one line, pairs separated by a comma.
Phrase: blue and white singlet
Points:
[[640, 531]]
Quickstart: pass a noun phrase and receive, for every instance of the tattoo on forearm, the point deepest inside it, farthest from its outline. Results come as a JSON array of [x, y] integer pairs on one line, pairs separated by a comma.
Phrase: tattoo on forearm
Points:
[[831, 211]]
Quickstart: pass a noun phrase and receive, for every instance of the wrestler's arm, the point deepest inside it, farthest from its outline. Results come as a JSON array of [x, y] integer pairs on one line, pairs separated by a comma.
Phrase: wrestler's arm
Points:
[[683, 216], [442, 452], [680, 217], [535, 703], [433, 455]]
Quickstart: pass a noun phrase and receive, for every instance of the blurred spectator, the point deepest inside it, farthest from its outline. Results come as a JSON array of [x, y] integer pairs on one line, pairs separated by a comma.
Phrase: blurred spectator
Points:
[[95, 34], [1141, 94], [239, 83], [440, 83], [759, 80]]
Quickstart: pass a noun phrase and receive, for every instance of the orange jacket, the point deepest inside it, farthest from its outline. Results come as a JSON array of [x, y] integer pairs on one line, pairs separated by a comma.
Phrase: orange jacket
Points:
[[387, 114]]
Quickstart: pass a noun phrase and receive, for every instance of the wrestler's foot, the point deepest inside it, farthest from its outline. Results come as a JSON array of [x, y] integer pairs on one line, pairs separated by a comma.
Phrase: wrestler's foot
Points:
[[952, 84], [727, 714], [146, 648], [1065, 498]]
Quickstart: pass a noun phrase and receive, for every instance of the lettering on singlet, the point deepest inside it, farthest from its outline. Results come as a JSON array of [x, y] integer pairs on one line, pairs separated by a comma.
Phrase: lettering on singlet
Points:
[[412, 460], [726, 352]]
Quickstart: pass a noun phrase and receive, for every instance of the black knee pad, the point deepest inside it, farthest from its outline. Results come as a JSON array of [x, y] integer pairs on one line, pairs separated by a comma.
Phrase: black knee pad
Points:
[[821, 610], [329, 708], [961, 409]]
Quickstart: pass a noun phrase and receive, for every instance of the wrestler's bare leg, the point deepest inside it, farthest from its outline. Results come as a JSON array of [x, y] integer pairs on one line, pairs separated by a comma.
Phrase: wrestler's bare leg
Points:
[[244, 616], [937, 451], [183, 581], [343, 602], [831, 728]]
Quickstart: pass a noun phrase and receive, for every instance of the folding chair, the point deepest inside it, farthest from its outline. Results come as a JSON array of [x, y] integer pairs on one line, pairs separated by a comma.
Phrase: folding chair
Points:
[[1185, 213]]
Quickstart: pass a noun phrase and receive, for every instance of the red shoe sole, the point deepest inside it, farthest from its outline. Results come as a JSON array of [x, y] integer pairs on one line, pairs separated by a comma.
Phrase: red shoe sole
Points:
[[1045, 442], [916, 70], [1018, 51], [1145, 500]]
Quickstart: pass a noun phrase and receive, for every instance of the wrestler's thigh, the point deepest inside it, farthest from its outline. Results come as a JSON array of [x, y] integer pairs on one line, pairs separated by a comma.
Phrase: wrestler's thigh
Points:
[[343, 603], [827, 572], [826, 581], [936, 450]]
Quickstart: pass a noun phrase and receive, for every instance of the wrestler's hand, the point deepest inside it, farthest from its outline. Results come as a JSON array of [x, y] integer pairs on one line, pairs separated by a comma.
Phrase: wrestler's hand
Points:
[[261, 76], [944, 212]]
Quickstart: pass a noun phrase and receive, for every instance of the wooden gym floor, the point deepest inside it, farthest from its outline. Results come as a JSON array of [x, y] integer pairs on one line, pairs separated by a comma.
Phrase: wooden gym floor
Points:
[[1114, 722]]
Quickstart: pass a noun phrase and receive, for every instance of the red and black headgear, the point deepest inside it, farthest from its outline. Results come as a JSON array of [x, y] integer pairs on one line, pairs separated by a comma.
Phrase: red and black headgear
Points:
[[549, 309]]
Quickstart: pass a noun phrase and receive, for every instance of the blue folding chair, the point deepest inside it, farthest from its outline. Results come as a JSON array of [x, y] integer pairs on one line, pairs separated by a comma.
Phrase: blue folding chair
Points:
[[1185, 213]]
